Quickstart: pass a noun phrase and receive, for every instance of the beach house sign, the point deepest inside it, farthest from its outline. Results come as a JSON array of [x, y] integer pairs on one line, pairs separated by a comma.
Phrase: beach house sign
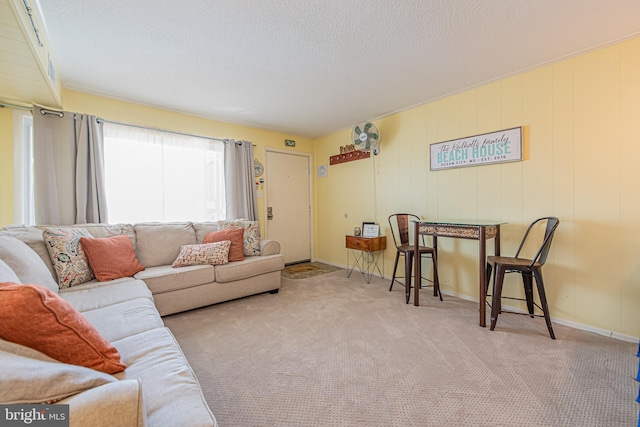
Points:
[[487, 148]]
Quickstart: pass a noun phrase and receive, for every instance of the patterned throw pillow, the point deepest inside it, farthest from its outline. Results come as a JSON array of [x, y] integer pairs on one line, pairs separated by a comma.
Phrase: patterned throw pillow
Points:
[[68, 258], [251, 234], [206, 253]]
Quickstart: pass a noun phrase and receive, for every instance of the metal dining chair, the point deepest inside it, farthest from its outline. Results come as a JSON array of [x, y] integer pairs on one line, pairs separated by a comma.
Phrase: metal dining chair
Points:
[[399, 224], [529, 269]]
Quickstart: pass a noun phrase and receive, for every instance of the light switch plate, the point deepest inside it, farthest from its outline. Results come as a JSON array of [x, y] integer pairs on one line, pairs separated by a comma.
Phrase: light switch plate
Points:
[[322, 171]]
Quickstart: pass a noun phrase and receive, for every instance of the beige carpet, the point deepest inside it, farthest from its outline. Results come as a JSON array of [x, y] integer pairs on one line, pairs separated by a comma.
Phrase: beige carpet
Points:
[[332, 351]]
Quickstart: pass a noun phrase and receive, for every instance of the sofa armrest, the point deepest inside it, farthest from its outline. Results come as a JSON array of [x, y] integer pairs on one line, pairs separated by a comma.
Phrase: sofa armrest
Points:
[[269, 247], [114, 404]]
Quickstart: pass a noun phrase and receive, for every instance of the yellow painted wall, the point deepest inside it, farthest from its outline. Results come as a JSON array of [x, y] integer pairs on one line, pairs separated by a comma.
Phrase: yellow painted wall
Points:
[[581, 121], [130, 113], [126, 112], [6, 166]]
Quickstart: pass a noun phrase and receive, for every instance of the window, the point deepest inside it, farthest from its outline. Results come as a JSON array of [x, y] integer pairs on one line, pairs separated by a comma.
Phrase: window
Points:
[[23, 187], [162, 176]]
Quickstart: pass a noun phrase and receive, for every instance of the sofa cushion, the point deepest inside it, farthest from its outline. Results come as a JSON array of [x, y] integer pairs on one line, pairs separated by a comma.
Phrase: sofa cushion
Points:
[[170, 390], [111, 257], [109, 230], [235, 236], [204, 228], [36, 378], [125, 319], [25, 263], [7, 274], [94, 294], [34, 316], [203, 253], [164, 278], [32, 237], [68, 258], [251, 234], [119, 403], [159, 243], [251, 266]]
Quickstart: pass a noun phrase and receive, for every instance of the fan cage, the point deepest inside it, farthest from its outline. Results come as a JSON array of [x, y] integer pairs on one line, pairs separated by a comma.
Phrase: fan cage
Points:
[[371, 139]]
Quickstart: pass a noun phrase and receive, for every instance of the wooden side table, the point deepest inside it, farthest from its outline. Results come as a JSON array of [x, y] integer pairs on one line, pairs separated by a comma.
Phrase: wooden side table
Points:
[[366, 252]]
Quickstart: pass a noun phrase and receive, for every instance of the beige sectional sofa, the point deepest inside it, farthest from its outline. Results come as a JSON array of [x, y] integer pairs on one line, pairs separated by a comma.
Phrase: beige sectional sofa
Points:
[[179, 289], [158, 387]]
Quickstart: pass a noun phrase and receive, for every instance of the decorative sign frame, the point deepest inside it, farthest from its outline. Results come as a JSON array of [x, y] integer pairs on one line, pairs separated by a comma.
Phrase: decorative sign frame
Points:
[[370, 230], [487, 148]]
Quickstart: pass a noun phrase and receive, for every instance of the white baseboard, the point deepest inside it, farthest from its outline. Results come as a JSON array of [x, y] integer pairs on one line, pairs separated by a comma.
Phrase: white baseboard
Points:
[[575, 325], [335, 264]]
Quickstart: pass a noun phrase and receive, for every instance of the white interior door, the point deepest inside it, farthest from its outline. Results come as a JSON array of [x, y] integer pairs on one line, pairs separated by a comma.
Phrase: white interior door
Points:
[[288, 203]]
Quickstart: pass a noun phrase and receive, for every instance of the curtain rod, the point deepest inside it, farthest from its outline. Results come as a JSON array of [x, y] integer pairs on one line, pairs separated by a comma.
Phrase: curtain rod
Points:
[[43, 111], [22, 107], [99, 120]]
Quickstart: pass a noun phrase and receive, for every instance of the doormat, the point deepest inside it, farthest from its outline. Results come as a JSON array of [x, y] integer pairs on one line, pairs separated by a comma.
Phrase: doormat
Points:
[[307, 269]]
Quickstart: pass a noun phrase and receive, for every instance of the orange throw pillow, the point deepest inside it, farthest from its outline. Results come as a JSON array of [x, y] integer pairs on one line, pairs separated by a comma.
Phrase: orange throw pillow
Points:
[[34, 316], [236, 236], [111, 257]]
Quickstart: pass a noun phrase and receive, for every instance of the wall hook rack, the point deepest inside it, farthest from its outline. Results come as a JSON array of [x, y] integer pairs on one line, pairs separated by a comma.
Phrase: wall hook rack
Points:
[[349, 157]]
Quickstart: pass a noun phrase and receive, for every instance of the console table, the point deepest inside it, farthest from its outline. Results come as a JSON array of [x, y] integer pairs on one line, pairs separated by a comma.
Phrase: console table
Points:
[[474, 230], [366, 252]]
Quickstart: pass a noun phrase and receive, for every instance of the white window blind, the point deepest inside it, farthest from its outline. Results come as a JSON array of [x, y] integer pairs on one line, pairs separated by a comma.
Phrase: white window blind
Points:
[[161, 176]]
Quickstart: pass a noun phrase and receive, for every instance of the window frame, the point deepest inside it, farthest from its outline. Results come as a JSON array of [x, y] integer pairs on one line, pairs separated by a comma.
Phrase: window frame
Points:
[[23, 170]]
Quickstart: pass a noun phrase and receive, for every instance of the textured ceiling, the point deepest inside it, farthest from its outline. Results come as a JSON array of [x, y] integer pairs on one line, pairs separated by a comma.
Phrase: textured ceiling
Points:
[[314, 67]]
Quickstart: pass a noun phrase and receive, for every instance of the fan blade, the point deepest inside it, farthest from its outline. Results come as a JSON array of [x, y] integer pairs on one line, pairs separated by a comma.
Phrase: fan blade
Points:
[[373, 136], [357, 130], [368, 146], [367, 127], [357, 141]]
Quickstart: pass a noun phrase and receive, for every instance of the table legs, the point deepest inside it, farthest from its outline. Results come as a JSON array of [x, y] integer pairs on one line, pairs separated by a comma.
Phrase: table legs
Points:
[[417, 266], [482, 265], [368, 266], [482, 258], [482, 261]]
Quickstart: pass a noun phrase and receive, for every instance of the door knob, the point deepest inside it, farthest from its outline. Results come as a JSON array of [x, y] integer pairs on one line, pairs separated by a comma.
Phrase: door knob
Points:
[[269, 212]]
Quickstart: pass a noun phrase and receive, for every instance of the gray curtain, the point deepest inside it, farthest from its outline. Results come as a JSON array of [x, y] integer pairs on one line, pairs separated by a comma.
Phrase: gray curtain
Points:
[[239, 180], [68, 154]]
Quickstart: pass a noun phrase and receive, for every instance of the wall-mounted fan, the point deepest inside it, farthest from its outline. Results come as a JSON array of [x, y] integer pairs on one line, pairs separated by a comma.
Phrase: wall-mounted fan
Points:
[[365, 137]]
